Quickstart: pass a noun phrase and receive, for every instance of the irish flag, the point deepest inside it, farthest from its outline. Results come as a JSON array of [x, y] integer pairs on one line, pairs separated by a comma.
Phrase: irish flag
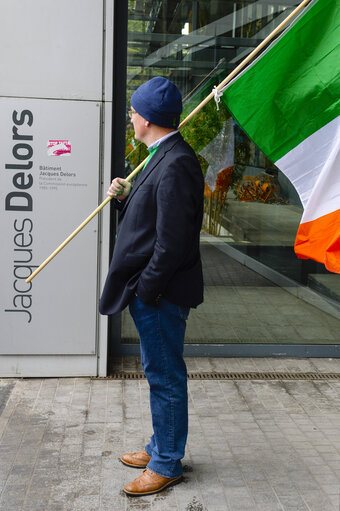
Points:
[[288, 102]]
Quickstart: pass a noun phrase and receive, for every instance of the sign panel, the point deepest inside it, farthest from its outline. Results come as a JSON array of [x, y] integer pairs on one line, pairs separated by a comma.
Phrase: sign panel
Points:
[[49, 180]]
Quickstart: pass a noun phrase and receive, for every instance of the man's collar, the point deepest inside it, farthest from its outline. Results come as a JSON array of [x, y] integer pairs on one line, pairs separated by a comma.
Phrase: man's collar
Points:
[[161, 140]]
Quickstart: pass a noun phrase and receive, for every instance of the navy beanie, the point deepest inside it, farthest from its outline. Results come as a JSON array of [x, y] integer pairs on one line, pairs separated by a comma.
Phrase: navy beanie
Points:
[[159, 102]]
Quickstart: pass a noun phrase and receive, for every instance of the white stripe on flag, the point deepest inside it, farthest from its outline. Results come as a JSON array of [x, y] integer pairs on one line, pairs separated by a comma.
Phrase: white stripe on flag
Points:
[[313, 167]]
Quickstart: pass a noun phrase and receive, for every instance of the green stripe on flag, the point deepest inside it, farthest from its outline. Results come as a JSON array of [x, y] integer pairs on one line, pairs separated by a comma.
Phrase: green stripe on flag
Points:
[[292, 90]]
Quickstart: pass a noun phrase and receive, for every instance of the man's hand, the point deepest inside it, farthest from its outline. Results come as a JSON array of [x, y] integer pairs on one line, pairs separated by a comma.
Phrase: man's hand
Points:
[[119, 188]]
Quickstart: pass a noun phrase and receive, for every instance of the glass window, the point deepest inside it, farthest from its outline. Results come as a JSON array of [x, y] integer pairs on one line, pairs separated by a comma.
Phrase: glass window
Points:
[[256, 289]]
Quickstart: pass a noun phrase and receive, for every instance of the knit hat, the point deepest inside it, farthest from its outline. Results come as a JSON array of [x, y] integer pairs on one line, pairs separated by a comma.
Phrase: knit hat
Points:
[[159, 102]]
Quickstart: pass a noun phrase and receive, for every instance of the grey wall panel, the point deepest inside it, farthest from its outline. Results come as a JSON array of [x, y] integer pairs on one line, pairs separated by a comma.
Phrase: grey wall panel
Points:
[[51, 49], [47, 366]]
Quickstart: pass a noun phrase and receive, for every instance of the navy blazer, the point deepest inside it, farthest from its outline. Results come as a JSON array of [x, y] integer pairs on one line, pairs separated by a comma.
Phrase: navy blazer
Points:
[[157, 247]]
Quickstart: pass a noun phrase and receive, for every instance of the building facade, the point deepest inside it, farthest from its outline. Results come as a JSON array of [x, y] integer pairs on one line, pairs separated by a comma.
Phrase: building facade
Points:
[[67, 76]]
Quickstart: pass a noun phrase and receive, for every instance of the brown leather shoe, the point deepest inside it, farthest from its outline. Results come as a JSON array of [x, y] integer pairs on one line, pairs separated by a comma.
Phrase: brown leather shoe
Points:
[[149, 483], [135, 459]]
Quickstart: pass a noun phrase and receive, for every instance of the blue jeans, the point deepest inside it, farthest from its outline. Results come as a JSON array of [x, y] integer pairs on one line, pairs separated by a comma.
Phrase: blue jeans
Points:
[[161, 330]]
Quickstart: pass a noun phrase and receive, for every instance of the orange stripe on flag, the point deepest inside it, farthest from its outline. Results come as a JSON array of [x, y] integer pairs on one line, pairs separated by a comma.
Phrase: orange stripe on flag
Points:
[[320, 240]]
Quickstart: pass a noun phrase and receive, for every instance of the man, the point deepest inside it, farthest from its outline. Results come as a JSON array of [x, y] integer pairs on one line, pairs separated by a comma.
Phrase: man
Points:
[[156, 270]]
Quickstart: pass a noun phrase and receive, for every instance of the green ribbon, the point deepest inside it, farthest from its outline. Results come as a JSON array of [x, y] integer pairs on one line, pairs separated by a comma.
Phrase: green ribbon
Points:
[[151, 153]]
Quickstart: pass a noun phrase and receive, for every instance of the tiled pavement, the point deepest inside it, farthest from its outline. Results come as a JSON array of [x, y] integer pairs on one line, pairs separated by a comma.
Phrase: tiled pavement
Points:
[[253, 445]]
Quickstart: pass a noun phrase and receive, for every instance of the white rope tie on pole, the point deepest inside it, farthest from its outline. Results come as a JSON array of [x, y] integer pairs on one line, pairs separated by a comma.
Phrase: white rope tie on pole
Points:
[[217, 95]]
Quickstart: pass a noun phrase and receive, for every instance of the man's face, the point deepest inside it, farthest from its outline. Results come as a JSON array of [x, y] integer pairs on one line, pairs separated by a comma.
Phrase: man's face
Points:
[[138, 123]]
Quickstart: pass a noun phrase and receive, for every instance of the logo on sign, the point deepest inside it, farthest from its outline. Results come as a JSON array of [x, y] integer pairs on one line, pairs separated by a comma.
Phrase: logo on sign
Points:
[[58, 148]]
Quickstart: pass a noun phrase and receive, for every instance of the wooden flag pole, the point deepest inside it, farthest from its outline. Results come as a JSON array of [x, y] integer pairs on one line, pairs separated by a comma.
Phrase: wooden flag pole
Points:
[[187, 119]]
